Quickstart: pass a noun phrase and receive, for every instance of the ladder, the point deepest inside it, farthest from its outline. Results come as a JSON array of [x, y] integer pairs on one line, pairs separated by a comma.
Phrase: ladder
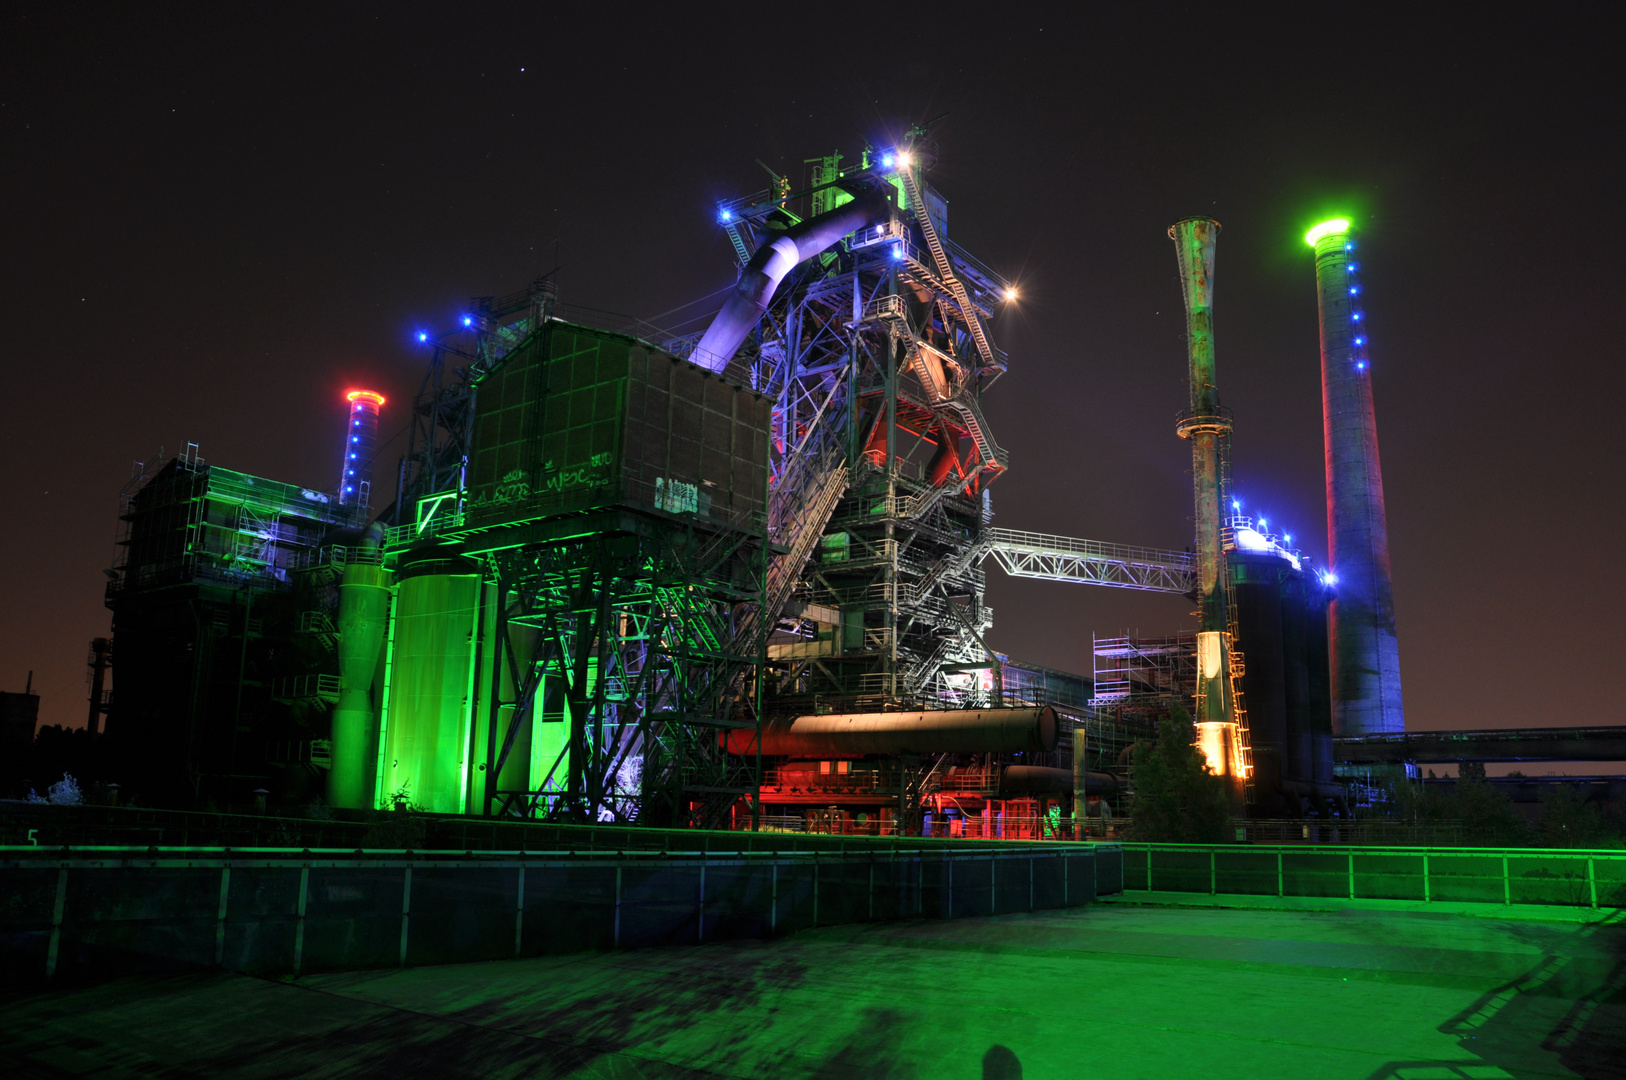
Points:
[[1236, 668]]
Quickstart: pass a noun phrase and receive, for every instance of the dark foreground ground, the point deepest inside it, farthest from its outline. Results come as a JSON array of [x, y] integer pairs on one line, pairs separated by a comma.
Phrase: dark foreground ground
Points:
[[1125, 989]]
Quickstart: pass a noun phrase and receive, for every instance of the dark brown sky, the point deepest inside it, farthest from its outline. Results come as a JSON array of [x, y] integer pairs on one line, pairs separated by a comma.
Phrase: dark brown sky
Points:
[[216, 218]]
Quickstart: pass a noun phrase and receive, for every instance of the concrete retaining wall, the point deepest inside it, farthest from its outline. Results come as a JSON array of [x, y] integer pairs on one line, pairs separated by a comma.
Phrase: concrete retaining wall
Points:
[[287, 913]]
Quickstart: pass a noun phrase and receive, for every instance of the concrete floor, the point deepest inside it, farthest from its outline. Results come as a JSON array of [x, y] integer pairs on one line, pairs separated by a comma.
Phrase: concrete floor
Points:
[[1356, 990]]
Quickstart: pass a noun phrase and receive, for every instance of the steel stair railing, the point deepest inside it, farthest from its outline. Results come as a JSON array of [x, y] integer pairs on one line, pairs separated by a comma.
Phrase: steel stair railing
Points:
[[945, 269]]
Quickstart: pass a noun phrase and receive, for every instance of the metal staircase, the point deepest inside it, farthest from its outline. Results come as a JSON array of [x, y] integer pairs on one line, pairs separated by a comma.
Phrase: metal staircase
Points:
[[802, 503], [945, 269]]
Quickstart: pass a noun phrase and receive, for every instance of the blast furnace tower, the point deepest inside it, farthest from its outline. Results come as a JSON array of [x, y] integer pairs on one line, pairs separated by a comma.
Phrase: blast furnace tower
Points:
[[1365, 654]]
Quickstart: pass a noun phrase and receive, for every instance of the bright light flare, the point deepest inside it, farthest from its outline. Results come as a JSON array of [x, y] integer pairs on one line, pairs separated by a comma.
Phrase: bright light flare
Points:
[[1011, 294], [1334, 227], [905, 160]]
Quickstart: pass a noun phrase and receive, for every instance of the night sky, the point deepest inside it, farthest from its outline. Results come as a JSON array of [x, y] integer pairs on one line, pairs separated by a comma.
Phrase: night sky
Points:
[[217, 218]]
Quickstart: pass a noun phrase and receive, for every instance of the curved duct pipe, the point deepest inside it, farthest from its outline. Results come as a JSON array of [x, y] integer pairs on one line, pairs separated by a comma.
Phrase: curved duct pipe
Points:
[[952, 731], [761, 277], [364, 610], [1039, 779]]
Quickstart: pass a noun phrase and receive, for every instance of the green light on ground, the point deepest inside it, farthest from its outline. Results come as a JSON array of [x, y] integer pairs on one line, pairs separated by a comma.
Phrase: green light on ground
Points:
[[1326, 228]]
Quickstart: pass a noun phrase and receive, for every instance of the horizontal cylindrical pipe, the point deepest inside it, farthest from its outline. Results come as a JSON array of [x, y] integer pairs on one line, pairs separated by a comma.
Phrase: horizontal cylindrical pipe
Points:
[[1042, 778], [950, 731]]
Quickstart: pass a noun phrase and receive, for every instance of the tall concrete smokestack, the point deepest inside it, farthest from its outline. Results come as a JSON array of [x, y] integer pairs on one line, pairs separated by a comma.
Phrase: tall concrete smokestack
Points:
[[1205, 425], [360, 444], [1364, 652]]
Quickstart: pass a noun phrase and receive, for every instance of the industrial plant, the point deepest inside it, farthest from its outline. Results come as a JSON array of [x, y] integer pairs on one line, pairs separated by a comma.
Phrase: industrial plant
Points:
[[737, 578]]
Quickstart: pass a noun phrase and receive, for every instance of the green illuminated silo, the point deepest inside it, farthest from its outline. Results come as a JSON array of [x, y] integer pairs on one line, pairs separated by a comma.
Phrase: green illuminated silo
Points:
[[427, 732], [364, 608]]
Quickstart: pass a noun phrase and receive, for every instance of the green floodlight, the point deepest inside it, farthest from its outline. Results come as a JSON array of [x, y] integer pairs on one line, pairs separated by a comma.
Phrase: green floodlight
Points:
[[1326, 228]]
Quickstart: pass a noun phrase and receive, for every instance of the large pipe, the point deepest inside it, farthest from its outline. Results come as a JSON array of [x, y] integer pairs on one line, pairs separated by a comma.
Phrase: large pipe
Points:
[[954, 731], [1204, 426], [1365, 653], [1025, 779], [364, 609], [761, 277]]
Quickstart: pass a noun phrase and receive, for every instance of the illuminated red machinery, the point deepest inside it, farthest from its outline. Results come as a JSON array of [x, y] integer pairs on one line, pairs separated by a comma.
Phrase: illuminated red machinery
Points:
[[360, 444]]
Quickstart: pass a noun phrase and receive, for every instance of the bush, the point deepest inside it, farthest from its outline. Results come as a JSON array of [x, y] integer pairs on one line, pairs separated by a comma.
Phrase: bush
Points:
[[1568, 820], [65, 792]]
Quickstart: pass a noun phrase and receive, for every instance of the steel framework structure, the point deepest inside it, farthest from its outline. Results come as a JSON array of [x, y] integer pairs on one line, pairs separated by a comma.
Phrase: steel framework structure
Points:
[[625, 629], [646, 636], [876, 354], [1090, 562]]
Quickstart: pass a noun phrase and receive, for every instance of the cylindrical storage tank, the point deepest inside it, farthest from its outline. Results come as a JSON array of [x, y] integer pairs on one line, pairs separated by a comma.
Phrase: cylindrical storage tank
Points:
[[1296, 591], [427, 726], [1256, 584], [364, 609], [952, 731]]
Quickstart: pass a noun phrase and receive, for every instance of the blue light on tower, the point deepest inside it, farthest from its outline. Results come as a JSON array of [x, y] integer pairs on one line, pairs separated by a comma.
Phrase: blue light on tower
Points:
[[358, 461]]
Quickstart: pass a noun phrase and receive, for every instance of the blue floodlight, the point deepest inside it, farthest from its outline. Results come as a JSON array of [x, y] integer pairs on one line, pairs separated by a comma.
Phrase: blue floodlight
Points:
[[422, 336], [727, 215], [468, 320], [1235, 505], [887, 161]]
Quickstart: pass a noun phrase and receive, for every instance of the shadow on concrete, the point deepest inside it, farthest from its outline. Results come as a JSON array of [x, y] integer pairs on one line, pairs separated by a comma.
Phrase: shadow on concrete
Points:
[[1001, 1063], [1567, 1010]]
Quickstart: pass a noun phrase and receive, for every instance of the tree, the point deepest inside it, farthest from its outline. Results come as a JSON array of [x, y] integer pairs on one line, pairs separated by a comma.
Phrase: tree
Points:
[[1568, 820], [1177, 798]]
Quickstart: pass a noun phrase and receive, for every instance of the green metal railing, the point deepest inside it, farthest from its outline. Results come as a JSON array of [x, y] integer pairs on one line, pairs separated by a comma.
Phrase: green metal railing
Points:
[[1595, 879]]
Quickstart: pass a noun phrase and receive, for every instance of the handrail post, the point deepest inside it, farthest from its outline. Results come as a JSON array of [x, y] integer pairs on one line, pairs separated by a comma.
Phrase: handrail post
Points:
[[406, 910], [519, 911], [1591, 881]]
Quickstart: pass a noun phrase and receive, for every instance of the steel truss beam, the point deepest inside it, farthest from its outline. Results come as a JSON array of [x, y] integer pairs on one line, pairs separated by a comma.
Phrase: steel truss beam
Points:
[[1089, 562]]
